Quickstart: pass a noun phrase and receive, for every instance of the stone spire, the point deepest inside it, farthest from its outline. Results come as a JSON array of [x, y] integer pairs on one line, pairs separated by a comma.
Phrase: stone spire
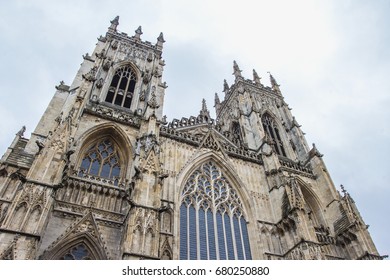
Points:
[[114, 24], [225, 87], [274, 84], [160, 41], [138, 33], [256, 79], [236, 70], [204, 113], [216, 99]]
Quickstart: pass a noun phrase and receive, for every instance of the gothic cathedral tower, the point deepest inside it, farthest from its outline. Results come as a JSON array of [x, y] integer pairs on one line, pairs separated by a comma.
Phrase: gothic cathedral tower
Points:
[[105, 176]]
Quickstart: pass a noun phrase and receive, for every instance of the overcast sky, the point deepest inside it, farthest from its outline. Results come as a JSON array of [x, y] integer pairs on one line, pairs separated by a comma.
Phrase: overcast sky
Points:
[[331, 58]]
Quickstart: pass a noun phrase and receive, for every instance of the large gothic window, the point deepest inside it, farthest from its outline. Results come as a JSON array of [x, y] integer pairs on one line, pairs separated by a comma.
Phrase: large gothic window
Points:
[[101, 160], [212, 224], [122, 87], [272, 131]]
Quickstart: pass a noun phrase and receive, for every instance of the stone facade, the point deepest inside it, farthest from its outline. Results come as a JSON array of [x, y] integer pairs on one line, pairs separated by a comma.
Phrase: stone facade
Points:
[[105, 176]]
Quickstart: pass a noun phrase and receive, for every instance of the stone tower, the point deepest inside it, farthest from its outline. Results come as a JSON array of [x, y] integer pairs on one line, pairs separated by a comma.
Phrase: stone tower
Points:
[[105, 176]]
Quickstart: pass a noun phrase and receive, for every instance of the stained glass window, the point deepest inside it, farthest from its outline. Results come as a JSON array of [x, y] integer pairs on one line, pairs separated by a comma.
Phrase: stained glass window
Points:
[[79, 252], [212, 224], [101, 160], [122, 87], [272, 131]]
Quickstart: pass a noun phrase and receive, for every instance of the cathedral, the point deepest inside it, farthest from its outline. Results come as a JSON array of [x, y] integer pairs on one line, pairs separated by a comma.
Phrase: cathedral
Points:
[[105, 175]]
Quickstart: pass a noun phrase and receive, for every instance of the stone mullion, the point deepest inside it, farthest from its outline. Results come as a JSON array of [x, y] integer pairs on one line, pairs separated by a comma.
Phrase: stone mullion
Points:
[[197, 231], [233, 236]]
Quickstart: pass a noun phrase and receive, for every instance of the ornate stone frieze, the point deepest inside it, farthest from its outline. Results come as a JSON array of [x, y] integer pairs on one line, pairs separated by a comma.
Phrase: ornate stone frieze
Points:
[[108, 113], [132, 52], [296, 167], [78, 210], [91, 75]]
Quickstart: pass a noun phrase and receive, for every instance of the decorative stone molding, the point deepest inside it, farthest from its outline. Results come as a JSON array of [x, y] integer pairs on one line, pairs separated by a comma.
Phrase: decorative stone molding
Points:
[[109, 113]]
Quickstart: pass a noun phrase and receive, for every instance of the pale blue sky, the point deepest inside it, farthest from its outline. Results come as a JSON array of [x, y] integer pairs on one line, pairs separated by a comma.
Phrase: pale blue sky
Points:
[[330, 57]]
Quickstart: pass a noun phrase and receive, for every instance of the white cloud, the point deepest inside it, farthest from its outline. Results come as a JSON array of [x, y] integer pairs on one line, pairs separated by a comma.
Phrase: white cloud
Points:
[[330, 57]]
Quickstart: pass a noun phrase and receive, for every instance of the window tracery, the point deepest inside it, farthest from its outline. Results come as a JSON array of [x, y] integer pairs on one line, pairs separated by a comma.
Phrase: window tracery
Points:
[[101, 160], [272, 131], [78, 252], [122, 87], [212, 224]]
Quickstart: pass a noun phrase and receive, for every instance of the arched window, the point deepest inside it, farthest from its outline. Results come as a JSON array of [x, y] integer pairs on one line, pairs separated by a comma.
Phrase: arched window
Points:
[[236, 133], [122, 87], [272, 131], [101, 160], [78, 252], [212, 224]]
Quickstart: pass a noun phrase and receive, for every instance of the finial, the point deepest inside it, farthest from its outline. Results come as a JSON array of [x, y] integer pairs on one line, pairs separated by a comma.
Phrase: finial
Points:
[[138, 33], [114, 23], [216, 99], [160, 41], [343, 190], [161, 38], [225, 86], [204, 112], [274, 84], [256, 78], [204, 106], [236, 70], [21, 131]]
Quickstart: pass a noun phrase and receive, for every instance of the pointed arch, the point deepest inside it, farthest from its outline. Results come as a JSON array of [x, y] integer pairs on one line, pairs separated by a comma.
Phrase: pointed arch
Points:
[[227, 169], [122, 86], [166, 251], [313, 202], [33, 219], [213, 221], [81, 246], [273, 131], [19, 216], [115, 150], [82, 240]]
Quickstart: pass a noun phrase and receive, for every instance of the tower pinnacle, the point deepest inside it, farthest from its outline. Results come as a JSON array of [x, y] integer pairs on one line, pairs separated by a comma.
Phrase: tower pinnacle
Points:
[[274, 84], [138, 33], [236, 70], [204, 112], [114, 24], [160, 41], [256, 78]]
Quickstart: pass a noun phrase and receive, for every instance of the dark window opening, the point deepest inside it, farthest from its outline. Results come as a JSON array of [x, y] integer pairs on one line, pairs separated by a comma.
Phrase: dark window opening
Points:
[[271, 129], [122, 87]]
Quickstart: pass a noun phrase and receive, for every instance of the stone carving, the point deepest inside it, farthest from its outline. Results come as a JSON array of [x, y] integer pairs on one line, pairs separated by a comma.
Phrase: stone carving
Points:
[[147, 143], [144, 231], [107, 64], [21, 131], [153, 101], [132, 52], [114, 45], [99, 83], [102, 54], [91, 75]]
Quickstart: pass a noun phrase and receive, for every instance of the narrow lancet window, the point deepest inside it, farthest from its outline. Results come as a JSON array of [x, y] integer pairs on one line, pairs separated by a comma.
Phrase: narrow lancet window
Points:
[[272, 131]]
